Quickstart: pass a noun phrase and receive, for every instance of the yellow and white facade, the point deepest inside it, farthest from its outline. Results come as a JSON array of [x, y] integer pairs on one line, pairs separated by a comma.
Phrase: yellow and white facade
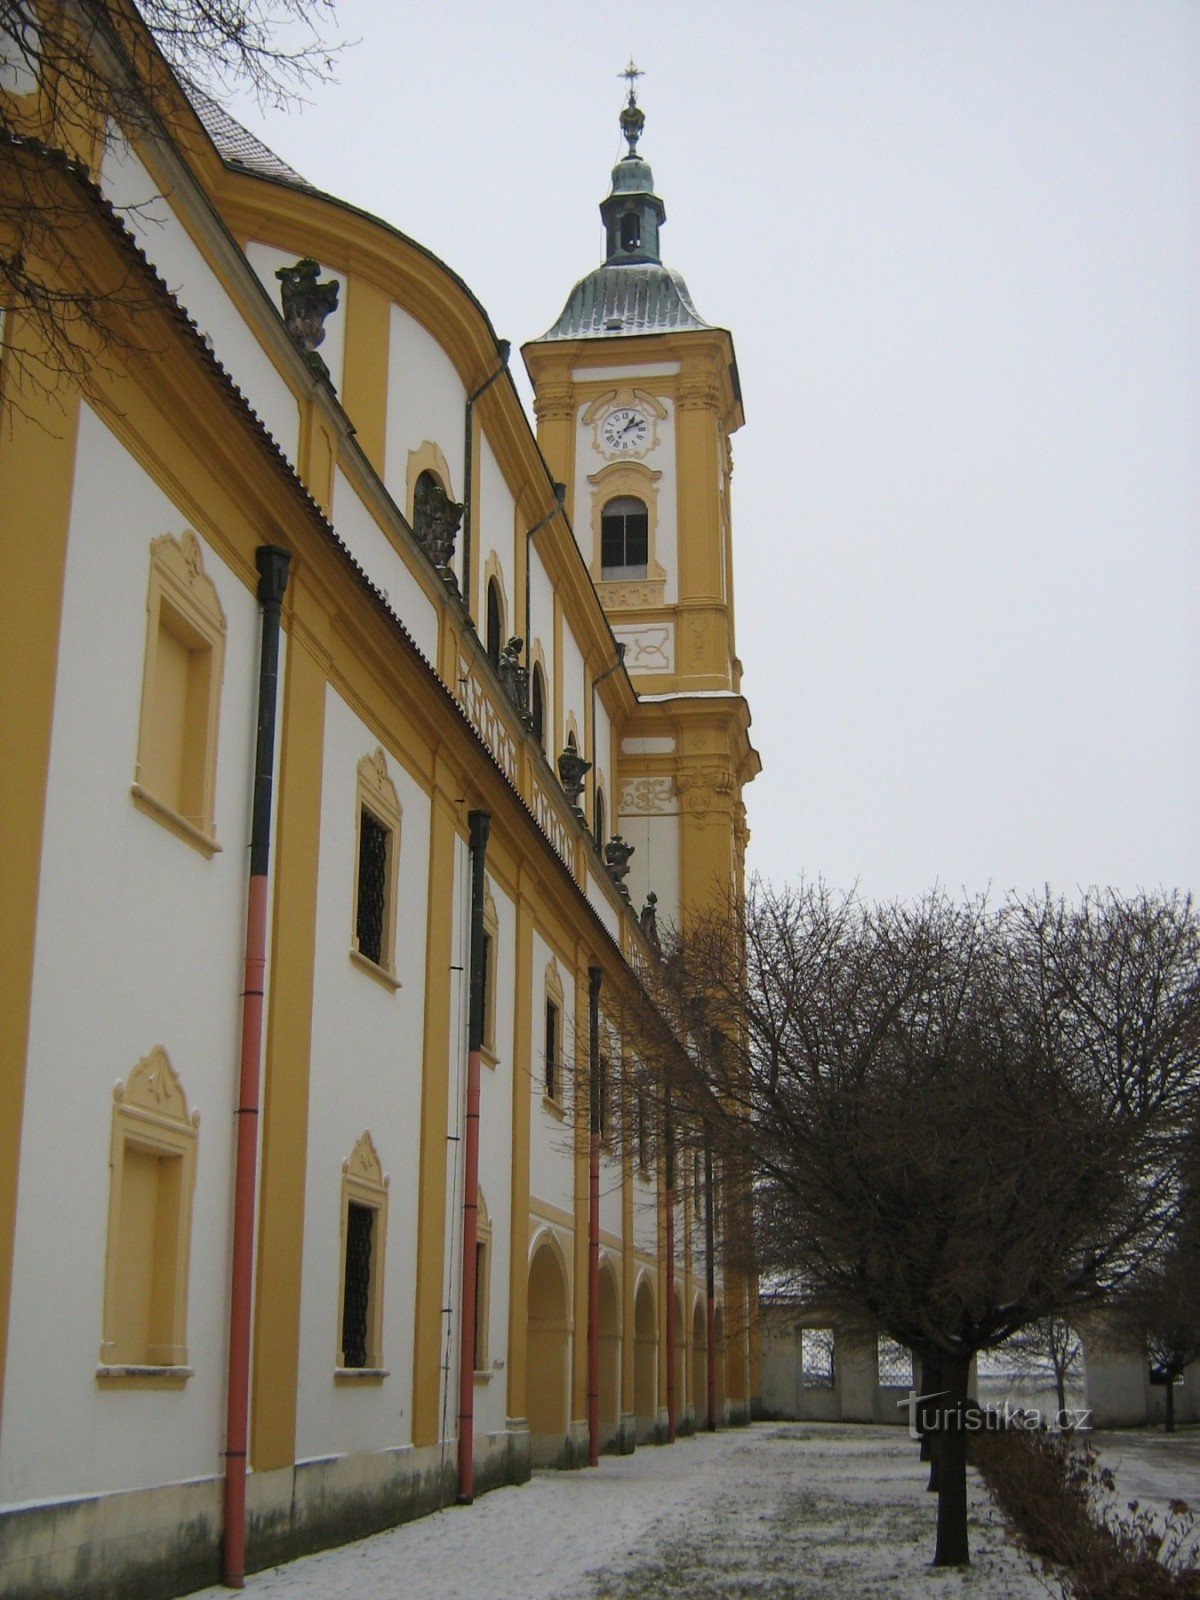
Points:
[[131, 509]]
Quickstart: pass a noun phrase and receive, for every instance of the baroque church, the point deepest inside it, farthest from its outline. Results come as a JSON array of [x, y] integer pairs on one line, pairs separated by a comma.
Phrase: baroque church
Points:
[[360, 742]]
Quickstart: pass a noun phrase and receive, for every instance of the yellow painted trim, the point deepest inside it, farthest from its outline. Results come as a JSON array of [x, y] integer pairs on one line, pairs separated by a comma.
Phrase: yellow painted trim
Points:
[[285, 1110], [428, 1328], [365, 366], [37, 466]]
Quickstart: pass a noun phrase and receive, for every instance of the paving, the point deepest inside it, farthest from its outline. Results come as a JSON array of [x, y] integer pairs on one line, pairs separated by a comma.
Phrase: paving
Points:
[[779, 1511]]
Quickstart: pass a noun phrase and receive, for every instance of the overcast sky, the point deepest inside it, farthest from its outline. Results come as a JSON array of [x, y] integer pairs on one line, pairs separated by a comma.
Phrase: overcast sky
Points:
[[956, 242]]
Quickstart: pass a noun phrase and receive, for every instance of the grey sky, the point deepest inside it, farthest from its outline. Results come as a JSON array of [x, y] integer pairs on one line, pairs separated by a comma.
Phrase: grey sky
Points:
[[956, 244]]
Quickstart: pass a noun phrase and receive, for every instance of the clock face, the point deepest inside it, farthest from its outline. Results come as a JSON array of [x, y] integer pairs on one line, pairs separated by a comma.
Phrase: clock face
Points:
[[625, 429]]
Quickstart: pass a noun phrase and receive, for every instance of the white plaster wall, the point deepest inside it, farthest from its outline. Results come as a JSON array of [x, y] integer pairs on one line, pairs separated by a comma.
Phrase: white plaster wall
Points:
[[541, 611], [603, 766], [655, 861], [573, 689], [266, 260], [495, 1167], [426, 401], [551, 1172], [645, 1212], [139, 942], [495, 532], [610, 1196], [152, 220], [365, 1075], [374, 552], [661, 459]]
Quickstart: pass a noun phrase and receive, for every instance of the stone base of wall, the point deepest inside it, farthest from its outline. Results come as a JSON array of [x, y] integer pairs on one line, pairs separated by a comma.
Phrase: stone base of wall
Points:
[[153, 1543]]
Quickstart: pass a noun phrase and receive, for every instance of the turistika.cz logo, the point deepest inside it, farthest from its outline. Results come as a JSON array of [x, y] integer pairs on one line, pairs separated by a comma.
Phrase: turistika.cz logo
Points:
[[974, 1418]]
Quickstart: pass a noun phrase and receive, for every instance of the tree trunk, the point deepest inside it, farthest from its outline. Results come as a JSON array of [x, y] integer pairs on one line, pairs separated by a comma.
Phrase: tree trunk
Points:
[[931, 1382], [952, 1547], [1060, 1384]]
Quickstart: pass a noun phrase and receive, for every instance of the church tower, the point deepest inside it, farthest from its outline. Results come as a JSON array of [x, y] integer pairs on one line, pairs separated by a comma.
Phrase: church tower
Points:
[[636, 398]]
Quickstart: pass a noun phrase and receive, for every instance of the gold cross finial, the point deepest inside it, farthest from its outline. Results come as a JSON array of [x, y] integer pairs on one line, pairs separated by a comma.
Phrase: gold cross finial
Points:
[[632, 73]]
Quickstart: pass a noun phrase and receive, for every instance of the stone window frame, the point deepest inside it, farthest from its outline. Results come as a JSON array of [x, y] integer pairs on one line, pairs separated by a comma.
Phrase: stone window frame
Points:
[[182, 600], [554, 995], [364, 1183], [150, 1116], [617, 481], [481, 1333], [491, 929], [376, 793]]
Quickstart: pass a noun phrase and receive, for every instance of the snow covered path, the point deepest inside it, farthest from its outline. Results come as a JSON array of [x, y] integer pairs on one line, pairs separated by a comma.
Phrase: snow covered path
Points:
[[780, 1511]]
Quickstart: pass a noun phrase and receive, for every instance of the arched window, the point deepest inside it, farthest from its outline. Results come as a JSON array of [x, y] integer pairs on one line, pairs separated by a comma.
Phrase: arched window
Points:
[[624, 538], [631, 231], [600, 818], [537, 704], [495, 622]]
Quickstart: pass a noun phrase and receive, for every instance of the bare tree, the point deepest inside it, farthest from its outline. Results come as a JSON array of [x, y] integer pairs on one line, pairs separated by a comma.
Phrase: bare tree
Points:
[[1162, 1304], [1048, 1347], [957, 1121], [73, 75]]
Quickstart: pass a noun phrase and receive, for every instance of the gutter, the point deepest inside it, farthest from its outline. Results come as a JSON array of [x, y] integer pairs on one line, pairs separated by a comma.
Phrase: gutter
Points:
[[480, 823], [272, 563]]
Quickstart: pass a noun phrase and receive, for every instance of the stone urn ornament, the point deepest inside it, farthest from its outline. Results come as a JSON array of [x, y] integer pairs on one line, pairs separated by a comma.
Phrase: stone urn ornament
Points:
[[514, 678], [306, 304], [616, 858], [436, 520], [572, 769]]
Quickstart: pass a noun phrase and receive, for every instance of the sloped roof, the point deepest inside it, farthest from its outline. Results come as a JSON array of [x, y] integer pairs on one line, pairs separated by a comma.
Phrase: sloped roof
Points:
[[619, 301], [236, 145]]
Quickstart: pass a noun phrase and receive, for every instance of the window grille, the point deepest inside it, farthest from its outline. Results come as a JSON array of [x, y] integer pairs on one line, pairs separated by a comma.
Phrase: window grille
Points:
[[372, 886], [552, 1049], [817, 1357], [356, 1294], [624, 539], [895, 1364]]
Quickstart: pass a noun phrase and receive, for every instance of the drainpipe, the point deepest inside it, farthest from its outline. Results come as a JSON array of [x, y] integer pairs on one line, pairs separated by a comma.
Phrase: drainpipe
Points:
[[672, 1331], [272, 563], [710, 1310], [560, 500], [593, 1325], [480, 822], [502, 350]]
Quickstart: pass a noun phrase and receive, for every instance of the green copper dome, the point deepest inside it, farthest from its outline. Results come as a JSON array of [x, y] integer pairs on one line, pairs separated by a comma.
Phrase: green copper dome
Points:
[[632, 293]]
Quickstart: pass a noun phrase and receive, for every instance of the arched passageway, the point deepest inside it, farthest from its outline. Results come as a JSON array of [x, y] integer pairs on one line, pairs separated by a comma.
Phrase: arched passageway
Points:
[[699, 1365], [610, 1354], [547, 1353], [645, 1362]]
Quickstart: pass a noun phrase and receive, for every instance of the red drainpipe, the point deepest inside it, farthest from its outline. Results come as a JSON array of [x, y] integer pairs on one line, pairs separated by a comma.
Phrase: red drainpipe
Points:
[[710, 1287], [593, 1323], [272, 564], [480, 822], [672, 1332]]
